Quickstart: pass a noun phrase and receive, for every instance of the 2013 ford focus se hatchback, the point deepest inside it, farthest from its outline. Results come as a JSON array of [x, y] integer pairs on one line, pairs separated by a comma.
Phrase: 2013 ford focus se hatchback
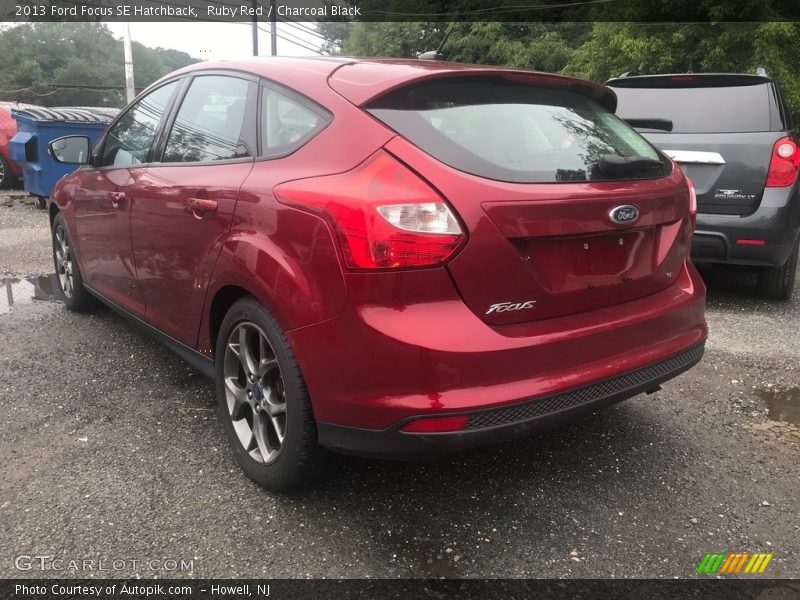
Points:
[[385, 258]]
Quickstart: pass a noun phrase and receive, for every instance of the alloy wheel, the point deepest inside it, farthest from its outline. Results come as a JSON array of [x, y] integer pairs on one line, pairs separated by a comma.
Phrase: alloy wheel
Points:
[[64, 265], [2, 172], [254, 392]]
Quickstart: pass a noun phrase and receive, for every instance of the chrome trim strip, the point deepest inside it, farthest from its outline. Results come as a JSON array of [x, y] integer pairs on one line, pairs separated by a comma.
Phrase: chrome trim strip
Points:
[[695, 157]]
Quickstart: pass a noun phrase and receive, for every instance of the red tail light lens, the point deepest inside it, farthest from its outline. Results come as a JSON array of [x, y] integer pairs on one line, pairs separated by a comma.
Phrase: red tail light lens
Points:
[[436, 425], [384, 215], [784, 163]]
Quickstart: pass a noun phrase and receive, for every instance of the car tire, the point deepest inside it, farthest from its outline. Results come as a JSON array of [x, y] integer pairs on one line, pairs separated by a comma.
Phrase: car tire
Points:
[[263, 400], [776, 283], [40, 202], [7, 179], [68, 273]]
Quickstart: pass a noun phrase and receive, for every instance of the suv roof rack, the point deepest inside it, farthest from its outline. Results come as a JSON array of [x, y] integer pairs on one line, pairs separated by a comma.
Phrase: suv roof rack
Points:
[[431, 55], [689, 80]]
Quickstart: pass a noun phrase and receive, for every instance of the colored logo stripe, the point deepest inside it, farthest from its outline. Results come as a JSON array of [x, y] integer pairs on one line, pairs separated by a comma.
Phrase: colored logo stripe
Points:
[[733, 562], [758, 563]]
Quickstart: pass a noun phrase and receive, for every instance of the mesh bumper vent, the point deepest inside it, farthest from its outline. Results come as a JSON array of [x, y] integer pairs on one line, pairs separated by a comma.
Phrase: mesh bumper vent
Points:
[[631, 381]]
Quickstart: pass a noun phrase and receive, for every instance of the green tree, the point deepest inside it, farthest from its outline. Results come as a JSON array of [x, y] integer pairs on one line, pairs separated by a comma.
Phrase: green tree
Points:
[[37, 58], [604, 48], [541, 46], [616, 48]]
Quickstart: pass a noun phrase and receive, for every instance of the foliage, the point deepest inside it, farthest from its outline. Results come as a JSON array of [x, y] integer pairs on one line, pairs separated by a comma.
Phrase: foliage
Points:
[[605, 48], [39, 57], [615, 48]]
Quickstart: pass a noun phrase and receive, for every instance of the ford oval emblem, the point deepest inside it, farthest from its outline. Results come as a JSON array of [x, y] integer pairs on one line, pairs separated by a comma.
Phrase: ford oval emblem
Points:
[[627, 214]]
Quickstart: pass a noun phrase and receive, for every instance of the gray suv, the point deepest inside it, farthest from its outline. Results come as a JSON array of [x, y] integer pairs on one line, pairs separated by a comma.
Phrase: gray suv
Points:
[[734, 138]]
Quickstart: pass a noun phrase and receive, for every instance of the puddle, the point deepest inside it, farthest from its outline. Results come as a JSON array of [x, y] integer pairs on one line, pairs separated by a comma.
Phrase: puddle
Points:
[[783, 405], [16, 291]]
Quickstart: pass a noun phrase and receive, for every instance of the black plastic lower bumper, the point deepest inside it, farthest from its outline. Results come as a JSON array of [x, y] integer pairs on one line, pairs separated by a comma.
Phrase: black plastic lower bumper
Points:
[[776, 223], [508, 422]]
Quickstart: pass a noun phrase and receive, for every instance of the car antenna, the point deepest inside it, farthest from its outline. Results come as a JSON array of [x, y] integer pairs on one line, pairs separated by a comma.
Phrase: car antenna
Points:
[[437, 54]]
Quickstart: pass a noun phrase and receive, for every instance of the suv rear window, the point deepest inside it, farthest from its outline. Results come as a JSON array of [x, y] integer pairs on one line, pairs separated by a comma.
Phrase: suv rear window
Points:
[[729, 109], [514, 132]]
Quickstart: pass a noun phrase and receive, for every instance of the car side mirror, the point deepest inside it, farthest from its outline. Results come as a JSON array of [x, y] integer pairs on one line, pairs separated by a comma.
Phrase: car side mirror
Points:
[[71, 150]]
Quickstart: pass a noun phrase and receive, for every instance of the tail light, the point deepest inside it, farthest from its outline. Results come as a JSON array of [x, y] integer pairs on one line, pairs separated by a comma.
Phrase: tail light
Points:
[[692, 203], [784, 163], [384, 215]]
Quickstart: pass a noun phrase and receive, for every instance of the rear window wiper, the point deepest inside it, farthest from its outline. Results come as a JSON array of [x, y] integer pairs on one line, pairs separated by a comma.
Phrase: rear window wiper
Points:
[[620, 166], [660, 124]]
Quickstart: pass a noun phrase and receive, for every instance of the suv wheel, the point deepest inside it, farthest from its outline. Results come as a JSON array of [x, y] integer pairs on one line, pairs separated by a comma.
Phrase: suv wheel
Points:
[[67, 271], [776, 283], [263, 401]]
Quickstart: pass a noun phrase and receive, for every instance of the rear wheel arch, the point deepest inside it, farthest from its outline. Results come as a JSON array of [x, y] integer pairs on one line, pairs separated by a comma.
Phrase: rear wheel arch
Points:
[[225, 297], [295, 289]]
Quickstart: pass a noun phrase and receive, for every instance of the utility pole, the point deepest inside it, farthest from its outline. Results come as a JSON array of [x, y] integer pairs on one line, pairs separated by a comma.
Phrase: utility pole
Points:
[[130, 89], [255, 28], [273, 30]]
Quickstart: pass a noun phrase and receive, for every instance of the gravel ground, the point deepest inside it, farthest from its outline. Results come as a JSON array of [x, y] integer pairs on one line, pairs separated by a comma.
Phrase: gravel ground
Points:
[[110, 449]]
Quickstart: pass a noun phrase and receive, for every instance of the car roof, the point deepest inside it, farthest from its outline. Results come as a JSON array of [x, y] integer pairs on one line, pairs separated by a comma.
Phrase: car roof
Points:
[[688, 80], [362, 79]]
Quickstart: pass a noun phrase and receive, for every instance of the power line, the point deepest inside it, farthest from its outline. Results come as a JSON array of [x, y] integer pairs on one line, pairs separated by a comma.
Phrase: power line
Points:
[[487, 11], [306, 29], [301, 45], [300, 25], [301, 32], [297, 39]]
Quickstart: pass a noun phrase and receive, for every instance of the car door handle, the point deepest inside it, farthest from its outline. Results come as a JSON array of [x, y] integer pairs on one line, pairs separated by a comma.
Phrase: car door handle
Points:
[[117, 198], [202, 204]]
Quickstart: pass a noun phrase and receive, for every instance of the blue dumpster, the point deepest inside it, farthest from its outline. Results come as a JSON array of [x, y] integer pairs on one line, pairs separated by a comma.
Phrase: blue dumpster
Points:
[[37, 127]]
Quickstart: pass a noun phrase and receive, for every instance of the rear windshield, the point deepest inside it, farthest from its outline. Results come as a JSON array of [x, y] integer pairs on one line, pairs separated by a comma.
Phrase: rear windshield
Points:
[[514, 132], [736, 109]]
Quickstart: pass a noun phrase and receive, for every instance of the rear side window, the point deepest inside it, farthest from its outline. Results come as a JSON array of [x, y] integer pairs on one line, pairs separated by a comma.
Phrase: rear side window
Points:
[[212, 121], [514, 132], [287, 122], [729, 109]]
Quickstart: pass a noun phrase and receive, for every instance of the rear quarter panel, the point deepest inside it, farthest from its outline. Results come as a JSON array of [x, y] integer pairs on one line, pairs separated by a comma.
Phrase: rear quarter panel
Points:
[[285, 257]]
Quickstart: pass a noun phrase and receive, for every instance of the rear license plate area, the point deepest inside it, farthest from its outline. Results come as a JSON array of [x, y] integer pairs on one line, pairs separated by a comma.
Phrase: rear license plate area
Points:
[[564, 264]]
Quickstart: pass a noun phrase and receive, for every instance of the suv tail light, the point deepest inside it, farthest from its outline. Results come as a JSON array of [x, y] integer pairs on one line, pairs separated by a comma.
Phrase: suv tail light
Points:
[[784, 163], [384, 215]]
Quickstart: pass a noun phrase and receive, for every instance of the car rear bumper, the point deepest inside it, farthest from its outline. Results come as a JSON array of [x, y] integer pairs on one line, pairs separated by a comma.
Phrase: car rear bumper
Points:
[[737, 239], [372, 368], [511, 422]]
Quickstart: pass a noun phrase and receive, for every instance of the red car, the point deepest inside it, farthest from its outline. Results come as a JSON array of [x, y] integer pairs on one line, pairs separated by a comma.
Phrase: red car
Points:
[[386, 258], [9, 171]]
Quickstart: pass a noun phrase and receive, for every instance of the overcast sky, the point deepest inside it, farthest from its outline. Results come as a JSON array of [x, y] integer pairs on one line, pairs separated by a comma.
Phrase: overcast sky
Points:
[[215, 41]]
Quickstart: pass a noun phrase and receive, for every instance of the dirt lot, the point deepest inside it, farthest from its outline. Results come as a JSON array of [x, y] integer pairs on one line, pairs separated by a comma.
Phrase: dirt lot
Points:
[[110, 450]]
